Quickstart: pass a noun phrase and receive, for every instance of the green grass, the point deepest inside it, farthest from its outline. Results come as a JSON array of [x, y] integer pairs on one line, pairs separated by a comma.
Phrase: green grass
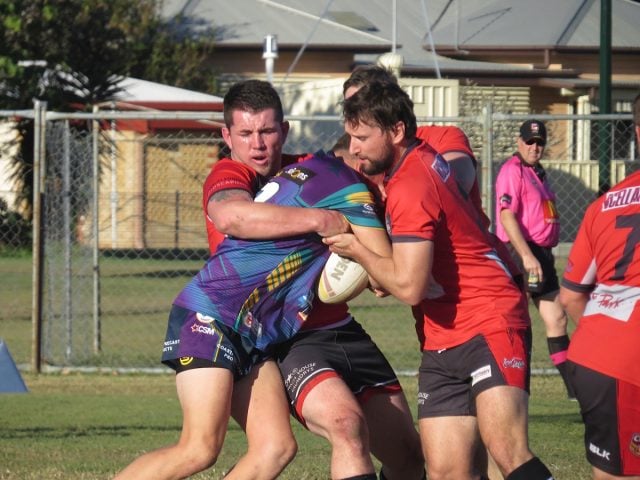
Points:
[[135, 298], [87, 427]]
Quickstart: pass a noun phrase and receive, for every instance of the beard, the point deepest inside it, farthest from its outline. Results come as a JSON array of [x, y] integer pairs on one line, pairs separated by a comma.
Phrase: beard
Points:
[[379, 165]]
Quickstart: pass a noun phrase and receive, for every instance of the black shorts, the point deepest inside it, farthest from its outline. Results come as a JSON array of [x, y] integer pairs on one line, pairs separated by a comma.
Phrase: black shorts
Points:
[[196, 341], [450, 379], [610, 411], [346, 351], [544, 255]]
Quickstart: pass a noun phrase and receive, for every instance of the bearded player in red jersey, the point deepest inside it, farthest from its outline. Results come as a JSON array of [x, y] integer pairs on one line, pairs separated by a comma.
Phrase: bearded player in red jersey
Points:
[[601, 292], [475, 330]]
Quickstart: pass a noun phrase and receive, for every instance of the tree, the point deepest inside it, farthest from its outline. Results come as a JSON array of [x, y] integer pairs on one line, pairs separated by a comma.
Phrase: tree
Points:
[[73, 53]]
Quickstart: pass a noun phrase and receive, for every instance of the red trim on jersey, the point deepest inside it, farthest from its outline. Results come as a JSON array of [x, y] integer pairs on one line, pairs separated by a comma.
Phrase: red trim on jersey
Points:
[[364, 396], [310, 385]]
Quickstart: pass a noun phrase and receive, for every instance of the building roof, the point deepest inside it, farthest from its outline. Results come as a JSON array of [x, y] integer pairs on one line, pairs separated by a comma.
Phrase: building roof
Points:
[[245, 23], [367, 28], [508, 24], [135, 90]]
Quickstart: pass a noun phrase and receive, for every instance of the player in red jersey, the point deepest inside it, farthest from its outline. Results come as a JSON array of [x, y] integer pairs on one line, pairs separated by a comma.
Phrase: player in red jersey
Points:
[[449, 141], [601, 292], [475, 330], [356, 404], [453, 145]]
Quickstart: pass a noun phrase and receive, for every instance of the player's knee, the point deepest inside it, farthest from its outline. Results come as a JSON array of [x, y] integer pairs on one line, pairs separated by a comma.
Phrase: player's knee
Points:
[[278, 454], [199, 455], [348, 428]]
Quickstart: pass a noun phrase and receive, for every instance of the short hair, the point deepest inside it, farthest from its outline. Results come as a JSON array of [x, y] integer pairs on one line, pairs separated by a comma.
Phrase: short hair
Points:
[[251, 96], [364, 74], [381, 104], [636, 110], [342, 144]]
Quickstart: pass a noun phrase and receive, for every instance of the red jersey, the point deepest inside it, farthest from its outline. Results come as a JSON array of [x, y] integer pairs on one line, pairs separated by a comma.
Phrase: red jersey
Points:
[[445, 139], [229, 174], [471, 290], [605, 262]]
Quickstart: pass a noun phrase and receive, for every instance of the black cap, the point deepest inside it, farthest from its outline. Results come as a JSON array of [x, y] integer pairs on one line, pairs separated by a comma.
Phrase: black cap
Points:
[[532, 129]]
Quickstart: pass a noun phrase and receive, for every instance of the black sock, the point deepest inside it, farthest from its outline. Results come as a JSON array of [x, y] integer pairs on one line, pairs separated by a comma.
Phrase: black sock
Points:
[[366, 476], [533, 469], [558, 347]]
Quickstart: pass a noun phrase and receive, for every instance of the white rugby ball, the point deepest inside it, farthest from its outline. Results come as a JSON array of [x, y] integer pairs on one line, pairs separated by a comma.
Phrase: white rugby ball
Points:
[[341, 280]]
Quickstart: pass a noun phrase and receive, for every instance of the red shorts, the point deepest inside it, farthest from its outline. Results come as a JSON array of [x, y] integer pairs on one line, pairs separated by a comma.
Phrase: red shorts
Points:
[[610, 411], [450, 379]]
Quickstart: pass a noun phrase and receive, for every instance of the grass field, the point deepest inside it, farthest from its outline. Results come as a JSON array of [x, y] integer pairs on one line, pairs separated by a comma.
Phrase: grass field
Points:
[[75, 426], [86, 427]]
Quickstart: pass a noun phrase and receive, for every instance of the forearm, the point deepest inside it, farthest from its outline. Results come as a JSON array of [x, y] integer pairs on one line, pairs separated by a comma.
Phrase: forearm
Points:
[[573, 303], [512, 229], [251, 220], [404, 274]]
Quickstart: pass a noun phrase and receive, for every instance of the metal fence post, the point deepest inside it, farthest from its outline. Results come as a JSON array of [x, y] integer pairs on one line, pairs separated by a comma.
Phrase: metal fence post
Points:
[[66, 238], [95, 212], [39, 130], [487, 162]]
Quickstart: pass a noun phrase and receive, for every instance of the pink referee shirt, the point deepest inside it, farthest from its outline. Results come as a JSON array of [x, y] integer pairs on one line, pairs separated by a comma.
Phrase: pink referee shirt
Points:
[[531, 200]]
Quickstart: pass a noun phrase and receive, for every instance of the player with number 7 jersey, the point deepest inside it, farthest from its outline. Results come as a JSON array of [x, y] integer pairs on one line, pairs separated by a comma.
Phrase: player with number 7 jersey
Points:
[[601, 292], [605, 263]]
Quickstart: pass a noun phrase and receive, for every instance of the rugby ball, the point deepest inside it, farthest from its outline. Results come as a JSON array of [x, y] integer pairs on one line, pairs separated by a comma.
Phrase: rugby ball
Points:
[[341, 280]]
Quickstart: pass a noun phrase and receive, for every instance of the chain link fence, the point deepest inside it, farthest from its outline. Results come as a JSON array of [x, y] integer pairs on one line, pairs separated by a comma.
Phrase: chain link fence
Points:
[[119, 227]]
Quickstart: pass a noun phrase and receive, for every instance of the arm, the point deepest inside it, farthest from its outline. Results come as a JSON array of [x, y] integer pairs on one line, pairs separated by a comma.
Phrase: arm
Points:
[[573, 303], [377, 241], [463, 167], [404, 273], [512, 229], [233, 212]]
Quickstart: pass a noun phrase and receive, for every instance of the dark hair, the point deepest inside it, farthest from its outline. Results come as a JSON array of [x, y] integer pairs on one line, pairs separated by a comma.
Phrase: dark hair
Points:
[[636, 110], [251, 96], [382, 105], [366, 74], [342, 144]]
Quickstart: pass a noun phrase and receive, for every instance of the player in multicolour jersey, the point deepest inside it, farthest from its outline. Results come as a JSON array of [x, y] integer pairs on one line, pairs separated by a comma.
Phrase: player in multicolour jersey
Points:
[[601, 292], [357, 403], [264, 289], [249, 296], [475, 329]]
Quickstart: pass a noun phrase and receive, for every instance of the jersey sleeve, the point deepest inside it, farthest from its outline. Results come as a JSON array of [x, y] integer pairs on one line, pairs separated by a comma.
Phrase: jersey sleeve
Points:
[[508, 187], [445, 139], [228, 174]]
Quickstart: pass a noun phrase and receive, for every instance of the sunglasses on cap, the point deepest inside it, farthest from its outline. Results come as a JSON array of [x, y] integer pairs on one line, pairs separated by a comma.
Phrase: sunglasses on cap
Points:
[[537, 141]]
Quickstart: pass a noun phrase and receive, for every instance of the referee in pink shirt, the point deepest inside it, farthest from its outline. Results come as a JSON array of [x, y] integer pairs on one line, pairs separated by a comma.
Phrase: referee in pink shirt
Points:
[[529, 225]]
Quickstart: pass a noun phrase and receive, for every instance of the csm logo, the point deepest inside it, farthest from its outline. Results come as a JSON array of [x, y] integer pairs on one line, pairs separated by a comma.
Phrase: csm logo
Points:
[[602, 453]]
